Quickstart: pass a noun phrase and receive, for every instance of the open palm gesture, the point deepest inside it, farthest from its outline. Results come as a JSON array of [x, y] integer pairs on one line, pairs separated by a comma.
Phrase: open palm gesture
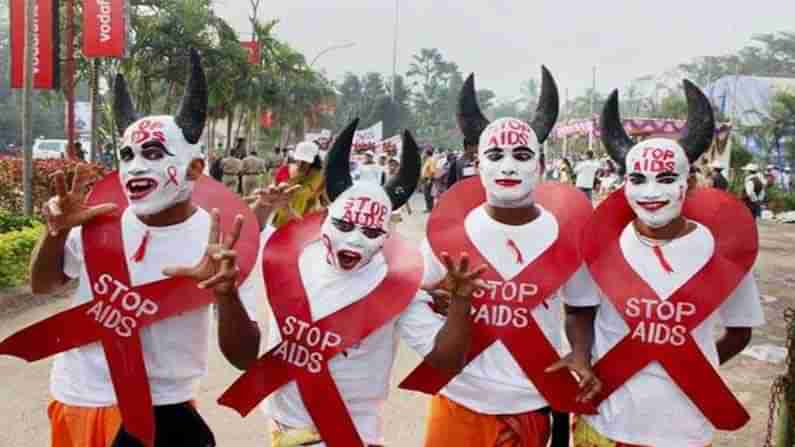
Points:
[[459, 283], [218, 267], [272, 196], [67, 209]]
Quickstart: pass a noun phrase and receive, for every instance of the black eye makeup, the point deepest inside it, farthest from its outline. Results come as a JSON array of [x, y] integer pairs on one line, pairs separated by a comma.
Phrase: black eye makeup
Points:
[[126, 154], [372, 233], [343, 226]]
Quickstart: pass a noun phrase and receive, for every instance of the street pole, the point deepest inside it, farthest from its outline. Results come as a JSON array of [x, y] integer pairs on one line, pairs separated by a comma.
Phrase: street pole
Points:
[[70, 78], [593, 91], [394, 48], [95, 150], [593, 105], [27, 110]]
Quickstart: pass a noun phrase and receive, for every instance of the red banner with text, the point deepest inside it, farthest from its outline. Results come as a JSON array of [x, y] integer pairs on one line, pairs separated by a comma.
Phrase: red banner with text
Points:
[[253, 50], [104, 28], [45, 44]]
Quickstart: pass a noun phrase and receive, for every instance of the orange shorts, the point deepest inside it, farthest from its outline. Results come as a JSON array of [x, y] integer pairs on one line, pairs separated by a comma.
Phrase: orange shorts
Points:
[[83, 426], [451, 424]]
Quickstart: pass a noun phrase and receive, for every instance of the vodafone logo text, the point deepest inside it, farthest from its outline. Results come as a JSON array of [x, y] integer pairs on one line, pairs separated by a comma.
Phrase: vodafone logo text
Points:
[[123, 309], [665, 317], [104, 20], [311, 341]]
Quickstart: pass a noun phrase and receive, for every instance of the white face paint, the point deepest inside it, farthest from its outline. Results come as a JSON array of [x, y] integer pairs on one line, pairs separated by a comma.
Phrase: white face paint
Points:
[[356, 226], [657, 171], [510, 163], [153, 165]]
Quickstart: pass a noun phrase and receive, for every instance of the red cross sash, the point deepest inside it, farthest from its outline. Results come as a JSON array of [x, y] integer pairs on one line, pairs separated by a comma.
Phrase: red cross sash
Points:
[[307, 346], [119, 310], [523, 338], [660, 330]]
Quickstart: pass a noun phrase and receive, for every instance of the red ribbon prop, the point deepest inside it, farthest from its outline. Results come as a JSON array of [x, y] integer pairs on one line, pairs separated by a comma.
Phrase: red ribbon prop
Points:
[[528, 345], [332, 335], [119, 309], [736, 247]]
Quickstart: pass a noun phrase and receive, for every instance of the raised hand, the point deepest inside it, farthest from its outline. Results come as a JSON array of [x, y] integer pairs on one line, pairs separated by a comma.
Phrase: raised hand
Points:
[[66, 209], [218, 267], [460, 283], [272, 196]]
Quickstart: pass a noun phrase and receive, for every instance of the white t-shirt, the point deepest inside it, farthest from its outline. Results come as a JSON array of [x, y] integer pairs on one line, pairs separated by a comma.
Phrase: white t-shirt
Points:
[[493, 383], [361, 373], [175, 350], [586, 173], [650, 409], [370, 173]]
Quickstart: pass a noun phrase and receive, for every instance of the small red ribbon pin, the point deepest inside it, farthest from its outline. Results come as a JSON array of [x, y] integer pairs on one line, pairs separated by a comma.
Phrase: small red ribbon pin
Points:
[[172, 176]]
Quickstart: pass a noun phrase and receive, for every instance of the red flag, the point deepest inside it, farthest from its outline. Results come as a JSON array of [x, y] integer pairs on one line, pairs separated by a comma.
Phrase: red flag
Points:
[[266, 120], [253, 51], [104, 28], [45, 41]]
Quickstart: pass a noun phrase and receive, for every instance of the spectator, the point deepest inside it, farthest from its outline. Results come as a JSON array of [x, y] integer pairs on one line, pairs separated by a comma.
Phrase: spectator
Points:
[[79, 152], [465, 165], [754, 191], [369, 171], [428, 168], [441, 173], [305, 169], [786, 179], [693, 179], [566, 172], [586, 174], [107, 157], [717, 177], [392, 169], [253, 168], [610, 180]]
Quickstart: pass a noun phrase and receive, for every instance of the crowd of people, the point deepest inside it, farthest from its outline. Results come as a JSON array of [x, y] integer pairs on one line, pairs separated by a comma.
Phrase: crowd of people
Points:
[[508, 263]]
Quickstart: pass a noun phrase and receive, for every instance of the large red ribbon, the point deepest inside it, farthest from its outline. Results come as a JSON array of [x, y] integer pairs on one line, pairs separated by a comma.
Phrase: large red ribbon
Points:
[[333, 334], [119, 310], [736, 247], [528, 345]]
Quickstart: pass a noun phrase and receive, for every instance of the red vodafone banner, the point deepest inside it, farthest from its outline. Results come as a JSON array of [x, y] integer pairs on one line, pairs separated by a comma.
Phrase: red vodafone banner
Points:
[[45, 44], [104, 28], [252, 48]]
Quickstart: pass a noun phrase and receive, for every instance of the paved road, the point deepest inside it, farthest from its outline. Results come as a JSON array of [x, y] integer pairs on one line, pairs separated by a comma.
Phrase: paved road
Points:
[[24, 394]]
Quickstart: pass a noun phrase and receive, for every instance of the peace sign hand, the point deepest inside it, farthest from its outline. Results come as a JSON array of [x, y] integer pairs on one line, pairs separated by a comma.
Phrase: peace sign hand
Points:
[[67, 209], [218, 268]]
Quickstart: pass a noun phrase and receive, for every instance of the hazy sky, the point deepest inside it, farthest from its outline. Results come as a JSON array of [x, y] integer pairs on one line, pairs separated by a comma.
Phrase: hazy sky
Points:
[[505, 41]]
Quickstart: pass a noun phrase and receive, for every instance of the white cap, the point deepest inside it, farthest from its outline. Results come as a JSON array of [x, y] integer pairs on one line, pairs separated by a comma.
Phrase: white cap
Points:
[[751, 167], [306, 151]]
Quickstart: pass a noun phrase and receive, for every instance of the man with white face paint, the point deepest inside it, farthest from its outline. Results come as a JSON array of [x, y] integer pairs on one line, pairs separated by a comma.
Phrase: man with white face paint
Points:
[[671, 264], [527, 233], [162, 227], [335, 324]]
